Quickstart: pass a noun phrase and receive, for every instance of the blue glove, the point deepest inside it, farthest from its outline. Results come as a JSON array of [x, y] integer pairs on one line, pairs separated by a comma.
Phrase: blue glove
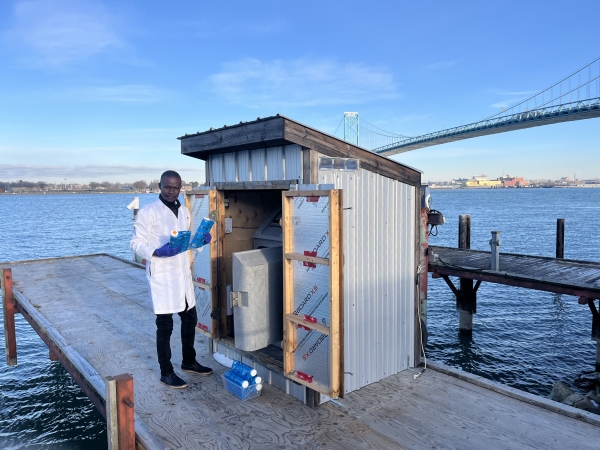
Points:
[[207, 238], [165, 251]]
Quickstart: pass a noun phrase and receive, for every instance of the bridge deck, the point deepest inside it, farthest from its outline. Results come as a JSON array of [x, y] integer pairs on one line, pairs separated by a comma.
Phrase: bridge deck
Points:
[[94, 311], [561, 276]]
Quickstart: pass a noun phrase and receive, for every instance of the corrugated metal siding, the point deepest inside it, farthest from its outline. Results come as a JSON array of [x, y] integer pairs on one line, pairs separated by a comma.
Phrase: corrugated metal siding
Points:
[[275, 163], [216, 168], [258, 165], [271, 164], [379, 272], [293, 162], [243, 163], [230, 166]]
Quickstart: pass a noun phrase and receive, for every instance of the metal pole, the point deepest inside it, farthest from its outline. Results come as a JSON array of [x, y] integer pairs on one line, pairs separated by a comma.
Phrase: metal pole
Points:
[[560, 238], [495, 253]]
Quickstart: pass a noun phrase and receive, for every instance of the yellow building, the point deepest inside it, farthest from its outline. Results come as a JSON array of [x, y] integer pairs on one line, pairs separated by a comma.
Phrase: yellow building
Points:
[[482, 181]]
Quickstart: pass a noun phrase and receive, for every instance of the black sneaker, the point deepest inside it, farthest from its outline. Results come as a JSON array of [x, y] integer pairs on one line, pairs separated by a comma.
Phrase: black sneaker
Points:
[[197, 368], [173, 381]]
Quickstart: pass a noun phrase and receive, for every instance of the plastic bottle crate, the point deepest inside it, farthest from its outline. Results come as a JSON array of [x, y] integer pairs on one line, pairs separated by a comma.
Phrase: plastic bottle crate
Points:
[[240, 392]]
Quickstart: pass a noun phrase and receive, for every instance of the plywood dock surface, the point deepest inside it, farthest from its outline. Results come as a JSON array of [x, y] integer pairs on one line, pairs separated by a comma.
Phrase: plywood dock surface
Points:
[[538, 272], [100, 305]]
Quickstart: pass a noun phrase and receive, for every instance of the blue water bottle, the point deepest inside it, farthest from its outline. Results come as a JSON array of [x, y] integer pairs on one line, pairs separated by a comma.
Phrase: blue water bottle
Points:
[[235, 378], [243, 369], [180, 239], [204, 227]]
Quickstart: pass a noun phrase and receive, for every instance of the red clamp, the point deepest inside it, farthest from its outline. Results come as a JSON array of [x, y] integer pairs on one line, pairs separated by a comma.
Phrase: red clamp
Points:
[[310, 319], [202, 326], [303, 327]]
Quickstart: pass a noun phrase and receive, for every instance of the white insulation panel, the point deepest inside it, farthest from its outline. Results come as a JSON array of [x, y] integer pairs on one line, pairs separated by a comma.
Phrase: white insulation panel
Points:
[[263, 164], [379, 275]]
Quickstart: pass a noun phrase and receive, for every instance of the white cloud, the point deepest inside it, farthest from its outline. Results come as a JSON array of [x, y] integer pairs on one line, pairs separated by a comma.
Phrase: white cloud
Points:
[[83, 172], [302, 82], [59, 32], [129, 93]]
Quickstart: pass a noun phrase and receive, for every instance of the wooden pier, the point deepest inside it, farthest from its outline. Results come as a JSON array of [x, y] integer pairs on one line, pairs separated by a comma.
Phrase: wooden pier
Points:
[[560, 276], [95, 315]]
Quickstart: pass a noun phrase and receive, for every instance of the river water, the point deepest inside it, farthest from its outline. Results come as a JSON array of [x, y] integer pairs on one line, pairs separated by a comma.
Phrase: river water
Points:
[[525, 339]]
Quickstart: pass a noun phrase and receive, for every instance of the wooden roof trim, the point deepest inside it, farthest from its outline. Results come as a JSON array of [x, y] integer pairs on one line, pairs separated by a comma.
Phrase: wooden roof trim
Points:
[[280, 130]]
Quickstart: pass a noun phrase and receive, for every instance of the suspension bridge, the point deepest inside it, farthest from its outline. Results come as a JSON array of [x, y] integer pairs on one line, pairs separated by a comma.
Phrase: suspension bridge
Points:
[[575, 97]]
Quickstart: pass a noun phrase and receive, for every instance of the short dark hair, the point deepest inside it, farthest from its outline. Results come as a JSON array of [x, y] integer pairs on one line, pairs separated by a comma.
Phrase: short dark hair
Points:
[[170, 174]]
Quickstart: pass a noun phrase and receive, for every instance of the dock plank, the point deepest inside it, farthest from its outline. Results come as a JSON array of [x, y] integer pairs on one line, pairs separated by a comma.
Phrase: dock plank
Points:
[[563, 276], [100, 306]]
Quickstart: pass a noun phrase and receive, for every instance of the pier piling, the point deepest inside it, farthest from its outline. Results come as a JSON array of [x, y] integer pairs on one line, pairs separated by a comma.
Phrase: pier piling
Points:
[[466, 302], [9, 310], [120, 419], [560, 238]]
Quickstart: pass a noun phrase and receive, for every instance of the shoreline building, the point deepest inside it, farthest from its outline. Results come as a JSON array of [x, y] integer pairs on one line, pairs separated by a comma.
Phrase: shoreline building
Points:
[[482, 181], [509, 181]]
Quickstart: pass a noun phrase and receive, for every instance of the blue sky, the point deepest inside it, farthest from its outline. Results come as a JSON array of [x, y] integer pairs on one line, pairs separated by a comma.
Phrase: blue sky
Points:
[[100, 90]]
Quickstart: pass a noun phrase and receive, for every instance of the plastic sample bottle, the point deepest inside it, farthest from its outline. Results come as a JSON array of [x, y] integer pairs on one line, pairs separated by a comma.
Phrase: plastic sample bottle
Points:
[[244, 369], [236, 379], [180, 239], [205, 227]]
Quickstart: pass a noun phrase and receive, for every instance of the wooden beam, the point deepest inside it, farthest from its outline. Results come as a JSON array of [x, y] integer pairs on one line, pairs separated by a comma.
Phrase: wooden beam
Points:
[[310, 166], [120, 415], [513, 280], [318, 193], [219, 293], [254, 185], [201, 285], [451, 286], [289, 334], [310, 259], [334, 289], [313, 326], [262, 133], [9, 310]]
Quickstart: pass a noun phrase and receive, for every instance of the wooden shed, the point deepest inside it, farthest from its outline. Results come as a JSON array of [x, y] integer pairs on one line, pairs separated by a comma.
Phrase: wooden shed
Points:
[[314, 257]]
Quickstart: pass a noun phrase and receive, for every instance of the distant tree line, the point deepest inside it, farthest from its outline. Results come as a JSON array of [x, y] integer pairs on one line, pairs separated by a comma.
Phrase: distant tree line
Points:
[[140, 185]]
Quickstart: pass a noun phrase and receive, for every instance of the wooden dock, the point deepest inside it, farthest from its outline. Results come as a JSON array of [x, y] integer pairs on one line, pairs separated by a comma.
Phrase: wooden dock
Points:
[[561, 276], [95, 315]]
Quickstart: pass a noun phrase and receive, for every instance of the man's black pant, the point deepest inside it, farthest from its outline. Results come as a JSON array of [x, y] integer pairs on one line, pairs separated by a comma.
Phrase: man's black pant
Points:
[[164, 329]]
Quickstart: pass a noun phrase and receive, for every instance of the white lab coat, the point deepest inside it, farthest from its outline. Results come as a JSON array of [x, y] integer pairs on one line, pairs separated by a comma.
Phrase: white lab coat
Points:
[[169, 279]]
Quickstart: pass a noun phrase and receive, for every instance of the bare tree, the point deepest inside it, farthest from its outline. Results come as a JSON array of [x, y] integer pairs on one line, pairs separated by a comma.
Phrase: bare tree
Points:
[[94, 185], [140, 185], [153, 186]]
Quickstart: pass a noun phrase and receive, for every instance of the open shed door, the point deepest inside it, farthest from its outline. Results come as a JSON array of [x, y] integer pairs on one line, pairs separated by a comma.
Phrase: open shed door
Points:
[[204, 264], [313, 289]]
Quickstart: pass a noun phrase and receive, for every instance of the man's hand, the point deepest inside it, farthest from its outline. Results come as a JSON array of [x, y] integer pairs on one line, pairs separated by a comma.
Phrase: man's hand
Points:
[[207, 238], [165, 251]]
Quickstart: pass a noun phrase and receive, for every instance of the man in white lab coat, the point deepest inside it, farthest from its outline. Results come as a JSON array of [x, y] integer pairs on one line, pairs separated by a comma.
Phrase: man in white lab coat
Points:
[[169, 277]]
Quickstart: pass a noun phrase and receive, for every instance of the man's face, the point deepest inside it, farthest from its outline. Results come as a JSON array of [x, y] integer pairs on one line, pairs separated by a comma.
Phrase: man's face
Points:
[[169, 188]]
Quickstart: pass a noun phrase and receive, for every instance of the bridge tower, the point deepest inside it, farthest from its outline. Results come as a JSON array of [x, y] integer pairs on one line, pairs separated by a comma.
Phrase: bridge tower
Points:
[[351, 127]]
